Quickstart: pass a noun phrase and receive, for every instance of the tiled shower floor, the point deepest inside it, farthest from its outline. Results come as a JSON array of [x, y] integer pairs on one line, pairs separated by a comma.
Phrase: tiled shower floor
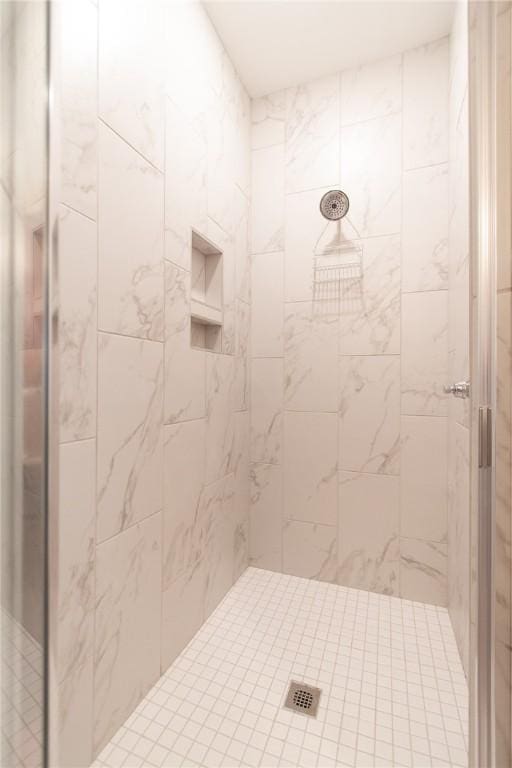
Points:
[[394, 692]]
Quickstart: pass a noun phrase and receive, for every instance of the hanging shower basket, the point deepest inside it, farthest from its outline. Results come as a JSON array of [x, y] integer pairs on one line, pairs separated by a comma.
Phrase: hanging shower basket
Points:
[[338, 256]]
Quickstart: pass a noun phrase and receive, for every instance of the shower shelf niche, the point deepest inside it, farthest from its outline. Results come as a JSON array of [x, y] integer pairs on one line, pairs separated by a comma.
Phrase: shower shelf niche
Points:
[[206, 312]]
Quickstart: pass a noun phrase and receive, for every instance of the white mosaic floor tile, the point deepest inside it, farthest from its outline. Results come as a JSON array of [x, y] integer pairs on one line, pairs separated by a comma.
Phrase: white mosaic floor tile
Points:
[[393, 688], [21, 676]]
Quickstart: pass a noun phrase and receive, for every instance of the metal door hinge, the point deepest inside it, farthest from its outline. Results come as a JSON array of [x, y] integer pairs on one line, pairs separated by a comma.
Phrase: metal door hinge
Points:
[[484, 437]]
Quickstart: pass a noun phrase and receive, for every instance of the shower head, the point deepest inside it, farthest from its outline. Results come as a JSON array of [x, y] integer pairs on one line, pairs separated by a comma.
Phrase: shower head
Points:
[[334, 205]]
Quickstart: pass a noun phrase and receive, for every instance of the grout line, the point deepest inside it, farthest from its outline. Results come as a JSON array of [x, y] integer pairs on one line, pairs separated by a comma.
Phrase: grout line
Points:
[[103, 122], [128, 336], [79, 213]]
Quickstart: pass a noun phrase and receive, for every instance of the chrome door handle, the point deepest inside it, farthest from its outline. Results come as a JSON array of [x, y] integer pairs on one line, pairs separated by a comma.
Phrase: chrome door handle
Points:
[[459, 389]]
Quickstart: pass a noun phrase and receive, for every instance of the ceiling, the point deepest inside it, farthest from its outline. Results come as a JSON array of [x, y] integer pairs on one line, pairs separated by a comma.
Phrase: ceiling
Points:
[[275, 44]]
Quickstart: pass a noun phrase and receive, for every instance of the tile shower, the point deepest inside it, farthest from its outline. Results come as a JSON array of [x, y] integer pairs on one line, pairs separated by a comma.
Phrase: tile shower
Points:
[[306, 437]]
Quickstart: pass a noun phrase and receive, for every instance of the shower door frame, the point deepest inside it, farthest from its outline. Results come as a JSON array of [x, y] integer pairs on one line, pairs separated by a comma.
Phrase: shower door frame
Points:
[[482, 130], [51, 698]]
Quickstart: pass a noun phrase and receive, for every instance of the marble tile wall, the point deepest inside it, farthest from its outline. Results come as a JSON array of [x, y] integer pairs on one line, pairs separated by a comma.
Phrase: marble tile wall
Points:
[[458, 335], [154, 434], [349, 422], [503, 428]]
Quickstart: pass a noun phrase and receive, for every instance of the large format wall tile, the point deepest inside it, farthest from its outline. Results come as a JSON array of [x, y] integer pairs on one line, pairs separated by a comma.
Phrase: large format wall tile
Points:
[[192, 52], [185, 368], [423, 478], [77, 522], [131, 96], [370, 302], [239, 467], [268, 199], [184, 461], [424, 353], [241, 213], [185, 186], [310, 464], [425, 107], [423, 568], [184, 598], [369, 429], [368, 532], [167, 541], [310, 359], [312, 130], [373, 90], [268, 117], [130, 455], [371, 164], [267, 305], [130, 241], [128, 623], [77, 325], [79, 106], [266, 410], [219, 415], [226, 244], [240, 460], [241, 384], [425, 229], [220, 544], [309, 550], [265, 542], [221, 141]]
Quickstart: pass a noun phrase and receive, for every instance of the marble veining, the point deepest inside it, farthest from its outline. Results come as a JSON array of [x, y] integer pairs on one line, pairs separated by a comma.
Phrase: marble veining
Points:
[[372, 90], [265, 516], [312, 127], [77, 326], [130, 241], [128, 569], [309, 467], [371, 164], [184, 457], [185, 185], [369, 527], [130, 96], [424, 353], [369, 315], [266, 410], [310, 356], [130, 448], [219, 415], [309, 550], [78, 97], [423, 570], [425, 229], [185, 368], [168, 493], [369, 439], [267, 220], [425, 85], [268, 120]]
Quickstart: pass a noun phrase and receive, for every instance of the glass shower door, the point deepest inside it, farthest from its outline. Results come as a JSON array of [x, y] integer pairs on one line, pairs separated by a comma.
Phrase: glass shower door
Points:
[[23, 376], [491, 572]]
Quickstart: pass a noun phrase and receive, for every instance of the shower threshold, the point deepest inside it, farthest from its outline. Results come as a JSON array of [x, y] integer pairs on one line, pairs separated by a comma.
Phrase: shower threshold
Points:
[[393, 688]]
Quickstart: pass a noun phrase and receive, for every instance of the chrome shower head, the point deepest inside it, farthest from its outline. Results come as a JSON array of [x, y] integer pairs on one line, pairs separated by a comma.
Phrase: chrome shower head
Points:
[[334, 205]]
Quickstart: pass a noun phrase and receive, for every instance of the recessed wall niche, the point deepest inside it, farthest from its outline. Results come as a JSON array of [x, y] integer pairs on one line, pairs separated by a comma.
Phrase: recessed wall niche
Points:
[[206, 310]]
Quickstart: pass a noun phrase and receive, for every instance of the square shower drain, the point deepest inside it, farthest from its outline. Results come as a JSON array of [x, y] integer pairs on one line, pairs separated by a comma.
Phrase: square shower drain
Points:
[[303, 698]]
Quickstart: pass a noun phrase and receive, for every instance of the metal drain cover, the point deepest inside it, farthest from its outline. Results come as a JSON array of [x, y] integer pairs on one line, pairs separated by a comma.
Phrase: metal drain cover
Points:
[[303, 698]]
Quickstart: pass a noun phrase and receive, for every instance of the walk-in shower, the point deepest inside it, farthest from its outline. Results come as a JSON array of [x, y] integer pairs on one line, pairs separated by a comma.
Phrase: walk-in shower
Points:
[[255, 384]]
